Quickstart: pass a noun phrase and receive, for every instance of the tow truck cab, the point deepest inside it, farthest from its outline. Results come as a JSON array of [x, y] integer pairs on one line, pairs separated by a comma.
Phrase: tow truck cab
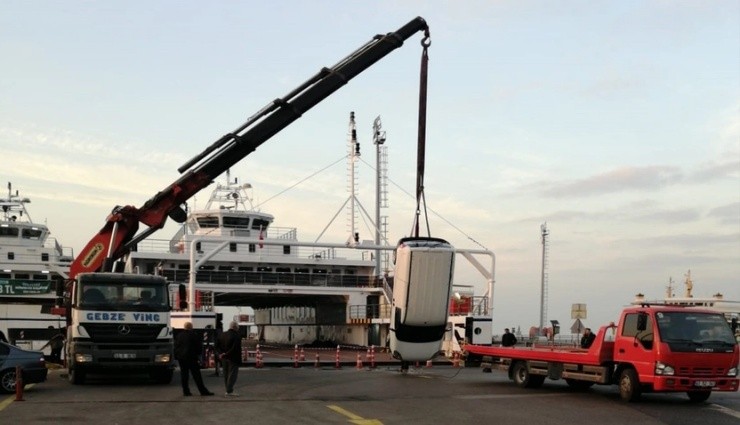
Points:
[[675, 349]]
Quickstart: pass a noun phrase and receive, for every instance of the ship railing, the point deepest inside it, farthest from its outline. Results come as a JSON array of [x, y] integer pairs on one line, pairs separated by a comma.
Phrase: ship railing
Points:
[[370, 311], [270, 278], [254, 251], [33, 260], [470, 306]]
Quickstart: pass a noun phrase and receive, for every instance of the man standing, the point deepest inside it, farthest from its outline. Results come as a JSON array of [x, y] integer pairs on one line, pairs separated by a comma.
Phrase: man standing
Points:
[[187, 351], [508, 339], [57, 344], [230, 347]]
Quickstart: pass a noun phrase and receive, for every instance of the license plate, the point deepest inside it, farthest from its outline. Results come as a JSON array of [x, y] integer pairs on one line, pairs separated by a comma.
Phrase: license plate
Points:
[[704, 384], [124, 355]]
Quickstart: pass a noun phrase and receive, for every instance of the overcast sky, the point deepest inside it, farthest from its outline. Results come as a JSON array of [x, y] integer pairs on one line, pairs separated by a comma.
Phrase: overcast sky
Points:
[[616, 123]]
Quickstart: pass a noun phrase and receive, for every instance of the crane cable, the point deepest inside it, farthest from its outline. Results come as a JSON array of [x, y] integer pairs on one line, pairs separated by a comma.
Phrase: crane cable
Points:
[[421, 145]]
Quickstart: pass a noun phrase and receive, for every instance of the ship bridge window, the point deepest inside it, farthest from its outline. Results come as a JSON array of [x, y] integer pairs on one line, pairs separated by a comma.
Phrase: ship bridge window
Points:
[[22, 276], [31, 233], [226, 268], [208, 221], [40, 277], [260, 224], [8, 232], [301, 270], [319, 271], [245, 269], [282, 269], [264, 269], [236, 222], [206, 268], [4, 275]]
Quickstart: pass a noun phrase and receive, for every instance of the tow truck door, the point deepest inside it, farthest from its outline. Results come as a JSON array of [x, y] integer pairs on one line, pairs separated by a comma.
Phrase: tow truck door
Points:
[[634, 344]]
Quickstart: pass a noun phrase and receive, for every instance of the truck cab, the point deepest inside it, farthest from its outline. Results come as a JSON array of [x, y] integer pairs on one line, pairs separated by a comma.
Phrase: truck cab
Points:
[[119, 322], [669, 349]]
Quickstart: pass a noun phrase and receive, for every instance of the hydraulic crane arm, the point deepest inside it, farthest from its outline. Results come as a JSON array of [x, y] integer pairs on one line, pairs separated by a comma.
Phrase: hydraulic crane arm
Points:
[[118, 235]]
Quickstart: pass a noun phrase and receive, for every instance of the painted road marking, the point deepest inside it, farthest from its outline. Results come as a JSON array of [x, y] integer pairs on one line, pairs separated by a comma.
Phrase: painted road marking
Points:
[[726, 410], [355, 419], [5, 403]]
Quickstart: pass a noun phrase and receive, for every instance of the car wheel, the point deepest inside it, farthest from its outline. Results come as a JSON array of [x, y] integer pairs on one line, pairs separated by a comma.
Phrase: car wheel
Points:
[[7, 381]]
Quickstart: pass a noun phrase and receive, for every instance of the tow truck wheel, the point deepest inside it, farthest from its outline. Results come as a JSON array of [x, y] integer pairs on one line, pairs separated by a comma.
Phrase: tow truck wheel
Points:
[[629, 385], [523, 378], [698, 396], [76, 377]]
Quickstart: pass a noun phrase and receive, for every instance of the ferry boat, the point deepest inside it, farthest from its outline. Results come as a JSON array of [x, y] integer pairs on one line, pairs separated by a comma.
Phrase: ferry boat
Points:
[[730, 308], [32, 266], [300, 292]]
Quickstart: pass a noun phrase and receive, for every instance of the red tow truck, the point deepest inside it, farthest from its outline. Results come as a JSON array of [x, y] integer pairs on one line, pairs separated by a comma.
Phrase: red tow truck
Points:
[[651, 349]]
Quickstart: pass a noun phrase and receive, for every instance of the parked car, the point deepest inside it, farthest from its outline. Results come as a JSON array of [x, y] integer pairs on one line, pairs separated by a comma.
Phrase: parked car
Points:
[[32, 365]]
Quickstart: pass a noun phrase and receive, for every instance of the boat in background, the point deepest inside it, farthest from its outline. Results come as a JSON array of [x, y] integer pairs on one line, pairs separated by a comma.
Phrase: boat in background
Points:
[[32, 266], [717, 302], [300, 292]]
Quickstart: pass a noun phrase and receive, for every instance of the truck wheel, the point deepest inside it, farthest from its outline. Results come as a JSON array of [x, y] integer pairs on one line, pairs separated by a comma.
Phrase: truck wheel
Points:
[[76, 377], [523, 378], [577, 384], [698, 396], [162, 376], [629, 385], [7, 381]]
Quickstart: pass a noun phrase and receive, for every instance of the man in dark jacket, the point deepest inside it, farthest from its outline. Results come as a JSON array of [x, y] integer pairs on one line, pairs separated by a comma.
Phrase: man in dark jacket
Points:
[[508, 339], [188, 347], [230, 347], [588, 338]]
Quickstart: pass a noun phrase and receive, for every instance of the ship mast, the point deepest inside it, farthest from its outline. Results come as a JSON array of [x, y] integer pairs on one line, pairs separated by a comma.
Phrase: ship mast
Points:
[[543, 289], [381, 194]]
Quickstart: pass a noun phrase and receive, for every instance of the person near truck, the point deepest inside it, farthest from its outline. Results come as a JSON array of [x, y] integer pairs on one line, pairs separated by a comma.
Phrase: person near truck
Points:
[[508, 339], [230, 347], [187, 352], [588, 338], [57, 344]]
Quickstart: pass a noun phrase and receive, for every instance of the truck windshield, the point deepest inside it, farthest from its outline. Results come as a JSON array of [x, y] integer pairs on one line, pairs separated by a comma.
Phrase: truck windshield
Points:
[[689, 329], [122, 297]]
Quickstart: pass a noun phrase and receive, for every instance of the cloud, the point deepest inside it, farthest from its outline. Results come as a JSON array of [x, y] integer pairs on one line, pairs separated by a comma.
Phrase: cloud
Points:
[[716, 170], [618, 180], [727, 214]]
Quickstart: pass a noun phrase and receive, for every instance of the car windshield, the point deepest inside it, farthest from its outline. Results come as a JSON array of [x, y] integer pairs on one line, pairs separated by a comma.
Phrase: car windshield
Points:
[[93, 296], [694, 328]]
